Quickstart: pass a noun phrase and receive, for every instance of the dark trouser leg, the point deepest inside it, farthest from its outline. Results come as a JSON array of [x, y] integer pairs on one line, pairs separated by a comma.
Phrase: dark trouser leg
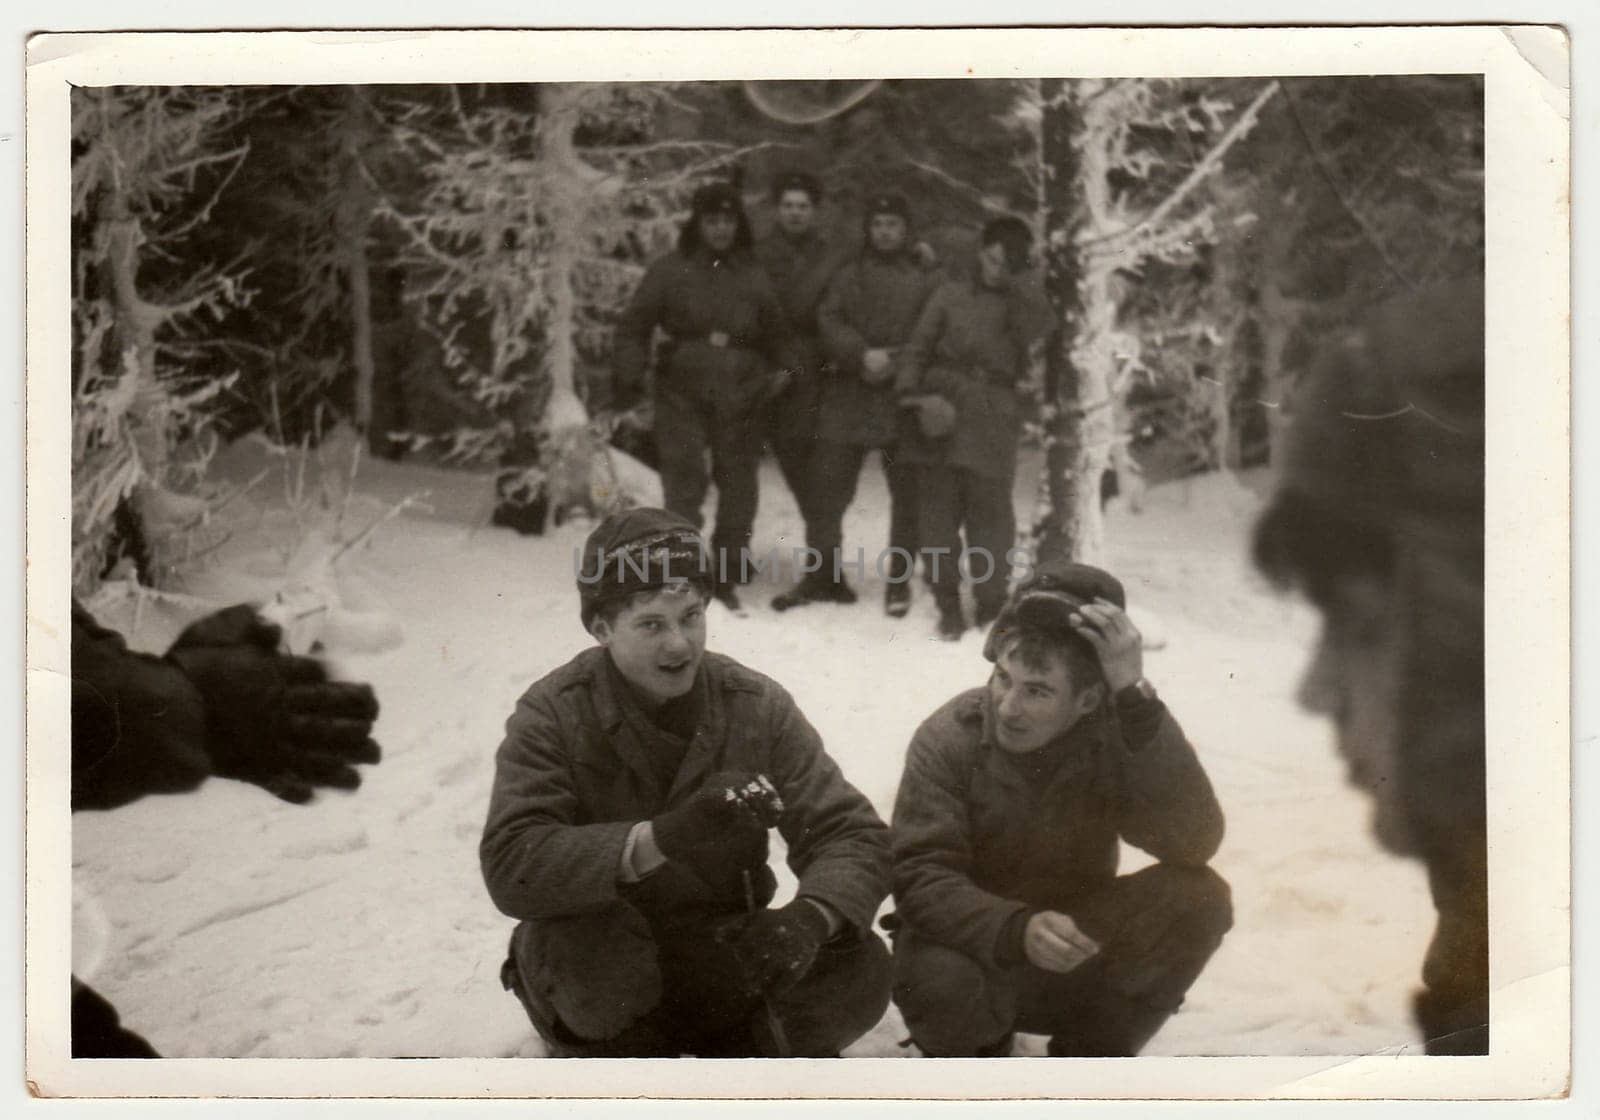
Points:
[[643, 1039], [97, 1030], [939, 505], [735, 461], [835, 469], [953, 1006], [902, 479], [1157, 929], [794, 454], [991, 532], [704, 1010], [683, 439]]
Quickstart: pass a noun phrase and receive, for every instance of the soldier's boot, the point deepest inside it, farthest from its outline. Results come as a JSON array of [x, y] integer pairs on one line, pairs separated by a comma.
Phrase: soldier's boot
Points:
[[999, 1048], [836, 590], [988, 610], [814, 587], [897, 593], [799, 595], [725, 593], [897, 600], [951, 623]]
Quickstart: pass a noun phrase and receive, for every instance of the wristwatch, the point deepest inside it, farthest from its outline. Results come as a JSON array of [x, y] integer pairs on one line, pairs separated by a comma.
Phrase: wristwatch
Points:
[[1138, 692]]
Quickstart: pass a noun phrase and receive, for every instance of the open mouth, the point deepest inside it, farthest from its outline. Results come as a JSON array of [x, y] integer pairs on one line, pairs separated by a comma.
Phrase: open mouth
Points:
[[674, 669]]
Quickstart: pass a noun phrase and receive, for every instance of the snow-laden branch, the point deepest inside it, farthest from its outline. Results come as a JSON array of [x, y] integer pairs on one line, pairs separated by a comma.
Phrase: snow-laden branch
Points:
[[1319, 157], [983, 198], [1208, 163]]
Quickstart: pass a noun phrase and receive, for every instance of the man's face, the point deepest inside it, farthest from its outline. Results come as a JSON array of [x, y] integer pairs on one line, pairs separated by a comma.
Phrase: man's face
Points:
[[1354, 678], [796, 212], [1032, 706], [657, 641], [992, 265], [886, 233], [718, 230]]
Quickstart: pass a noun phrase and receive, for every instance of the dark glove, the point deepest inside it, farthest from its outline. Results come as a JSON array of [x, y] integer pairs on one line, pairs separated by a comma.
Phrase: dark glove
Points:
[[775, 948], [721, 831], [272, 719], [777, 384], [936, 416]]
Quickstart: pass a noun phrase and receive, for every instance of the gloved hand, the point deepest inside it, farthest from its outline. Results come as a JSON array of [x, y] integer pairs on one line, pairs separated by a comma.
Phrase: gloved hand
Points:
[[935, 415], [272, 719], [775, 948], [721, 831], [877, 365], [777, 384]]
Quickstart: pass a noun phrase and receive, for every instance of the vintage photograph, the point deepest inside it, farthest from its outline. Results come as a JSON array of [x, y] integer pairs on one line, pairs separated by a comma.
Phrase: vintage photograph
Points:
[[900, 567]]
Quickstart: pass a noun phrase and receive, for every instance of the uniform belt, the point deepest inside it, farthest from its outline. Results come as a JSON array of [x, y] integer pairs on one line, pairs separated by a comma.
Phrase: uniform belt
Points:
[[721, 340]]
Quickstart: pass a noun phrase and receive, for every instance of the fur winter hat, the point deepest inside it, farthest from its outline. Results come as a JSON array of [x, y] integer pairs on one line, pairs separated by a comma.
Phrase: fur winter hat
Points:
[[797, 181], [638, 550], [715, 198], [888, 202], [1047, 598], [1015, 236]]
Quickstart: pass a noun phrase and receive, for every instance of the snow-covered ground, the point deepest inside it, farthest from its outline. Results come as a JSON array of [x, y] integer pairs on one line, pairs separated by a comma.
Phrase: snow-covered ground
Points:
[[225, 923]]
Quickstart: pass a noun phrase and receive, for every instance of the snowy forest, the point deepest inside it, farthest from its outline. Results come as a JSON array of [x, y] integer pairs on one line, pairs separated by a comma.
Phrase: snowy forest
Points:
[[319, 331]]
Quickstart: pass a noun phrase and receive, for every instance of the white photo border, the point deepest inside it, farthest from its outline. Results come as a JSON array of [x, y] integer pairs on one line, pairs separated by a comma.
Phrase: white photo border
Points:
[[1527, 558]]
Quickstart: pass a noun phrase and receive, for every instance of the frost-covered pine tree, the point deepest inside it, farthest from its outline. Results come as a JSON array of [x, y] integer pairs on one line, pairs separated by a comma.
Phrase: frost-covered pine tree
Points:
[[1102, 222], [149, 164], [535, 215]]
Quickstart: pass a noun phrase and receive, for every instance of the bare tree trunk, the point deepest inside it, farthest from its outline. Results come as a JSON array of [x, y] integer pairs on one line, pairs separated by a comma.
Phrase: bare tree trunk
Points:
[[355, 224], [558, 120], [1278, 315], [1068, 506]]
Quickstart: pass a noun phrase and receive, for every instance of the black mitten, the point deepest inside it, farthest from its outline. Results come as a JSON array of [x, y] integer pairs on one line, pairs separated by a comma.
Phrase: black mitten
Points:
[[273, 719], [721, 832], [775, 948]]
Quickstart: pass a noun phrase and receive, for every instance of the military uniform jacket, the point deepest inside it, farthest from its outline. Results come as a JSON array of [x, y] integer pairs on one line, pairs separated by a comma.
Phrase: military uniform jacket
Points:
[[971, 346], [572, 778], [798, 270], [871, 303], [978, 838], [726, 332]]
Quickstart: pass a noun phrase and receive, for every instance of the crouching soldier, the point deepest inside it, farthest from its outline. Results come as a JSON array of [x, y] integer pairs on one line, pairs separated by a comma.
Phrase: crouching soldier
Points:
[[627, 831], [1010, 914]]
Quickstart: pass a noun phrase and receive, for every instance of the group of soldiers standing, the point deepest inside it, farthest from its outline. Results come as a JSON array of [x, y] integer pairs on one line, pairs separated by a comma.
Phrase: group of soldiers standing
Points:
[[827, 356]]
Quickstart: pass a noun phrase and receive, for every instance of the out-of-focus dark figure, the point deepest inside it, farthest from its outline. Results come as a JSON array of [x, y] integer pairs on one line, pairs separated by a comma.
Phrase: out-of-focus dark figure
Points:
[[1379, 518], [222, 701]]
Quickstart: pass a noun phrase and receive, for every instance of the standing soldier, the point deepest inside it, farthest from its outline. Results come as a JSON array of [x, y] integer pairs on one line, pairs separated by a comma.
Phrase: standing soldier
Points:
[[866, 316], [961, 376], [1379, 518], [797, 262], [725, 356], [627, 831]]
